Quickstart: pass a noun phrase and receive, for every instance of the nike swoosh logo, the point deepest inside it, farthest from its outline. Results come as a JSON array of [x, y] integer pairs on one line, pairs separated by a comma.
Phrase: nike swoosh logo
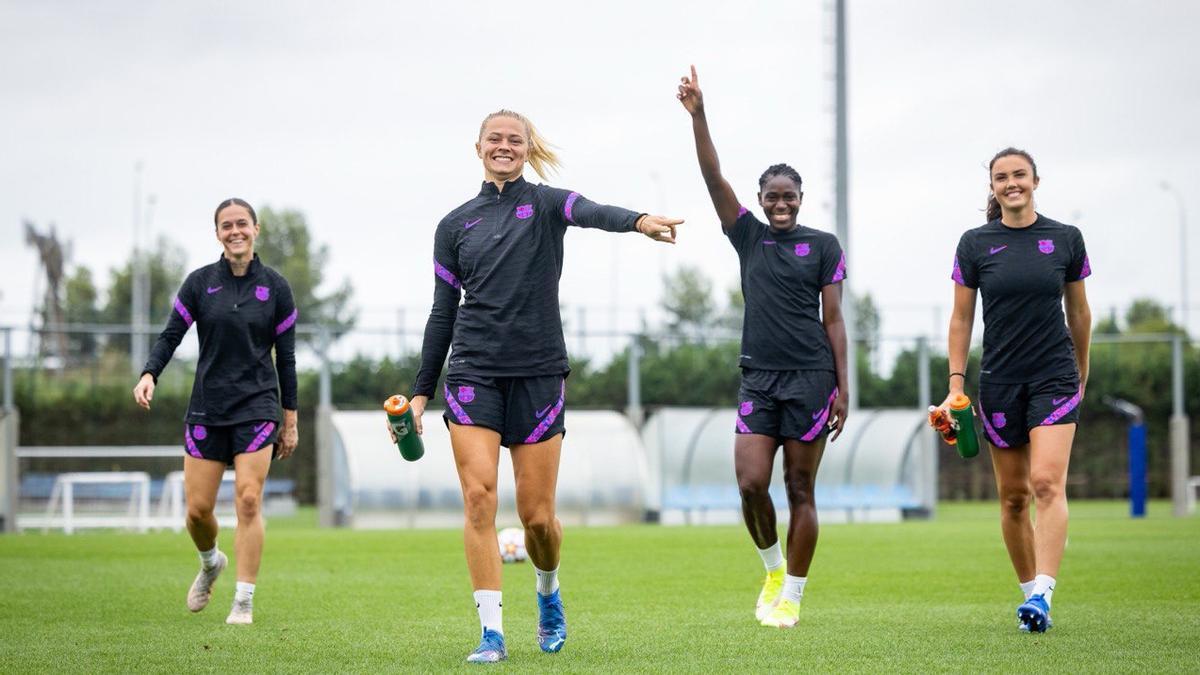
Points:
[[542, 413], [469, 224], [212, 290], [1059, 400], [768, 243], [259, 427], [996, 249], [818, 414]]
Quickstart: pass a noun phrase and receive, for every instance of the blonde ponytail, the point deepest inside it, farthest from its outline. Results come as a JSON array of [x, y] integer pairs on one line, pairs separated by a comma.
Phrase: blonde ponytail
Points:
[[541, 155]]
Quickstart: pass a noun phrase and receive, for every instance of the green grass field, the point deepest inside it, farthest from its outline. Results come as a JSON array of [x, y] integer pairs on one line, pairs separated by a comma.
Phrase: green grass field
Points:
[[917, 596]]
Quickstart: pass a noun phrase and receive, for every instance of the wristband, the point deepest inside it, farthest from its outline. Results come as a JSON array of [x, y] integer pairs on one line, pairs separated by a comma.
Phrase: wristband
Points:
[[962, 375]]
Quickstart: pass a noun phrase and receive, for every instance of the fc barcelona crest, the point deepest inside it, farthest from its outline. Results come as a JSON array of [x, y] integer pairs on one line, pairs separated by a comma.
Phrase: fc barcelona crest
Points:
[[1046, 246], [466, 394], [998, 420], [525, 211], [803, 249], [263, 293]]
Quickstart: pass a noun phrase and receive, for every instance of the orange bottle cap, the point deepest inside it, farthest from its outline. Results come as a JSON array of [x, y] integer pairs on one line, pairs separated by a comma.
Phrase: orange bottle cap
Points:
[[396, 405], [960, 402]]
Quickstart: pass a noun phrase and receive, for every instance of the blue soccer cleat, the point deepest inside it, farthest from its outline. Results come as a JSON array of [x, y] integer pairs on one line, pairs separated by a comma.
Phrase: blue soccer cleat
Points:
[[552, 625], [490, 650], [1034, 614]]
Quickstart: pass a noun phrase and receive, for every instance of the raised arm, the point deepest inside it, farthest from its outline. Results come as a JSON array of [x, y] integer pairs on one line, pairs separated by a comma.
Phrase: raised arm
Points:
[[575, 209], [723, 198]]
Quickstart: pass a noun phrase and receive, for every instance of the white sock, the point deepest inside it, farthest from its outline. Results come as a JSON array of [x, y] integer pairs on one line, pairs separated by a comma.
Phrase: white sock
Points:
[[209, 558], [772, 557], [490, 608], [1044, 584], [793, 587], [1027, 588], [245, 592], [547, 582]]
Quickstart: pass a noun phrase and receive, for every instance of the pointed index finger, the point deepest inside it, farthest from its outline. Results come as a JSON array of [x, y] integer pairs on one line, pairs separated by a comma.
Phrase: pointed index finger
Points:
[[695, 77]]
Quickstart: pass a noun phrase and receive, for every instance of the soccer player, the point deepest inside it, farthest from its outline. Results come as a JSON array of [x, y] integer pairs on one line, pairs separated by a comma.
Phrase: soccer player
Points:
[[793, 361], [1035, 365], [242, 310], [505, 386]]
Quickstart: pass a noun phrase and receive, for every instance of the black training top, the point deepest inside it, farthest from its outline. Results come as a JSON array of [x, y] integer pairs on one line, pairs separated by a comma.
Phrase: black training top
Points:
[[1021, 272], [782, 277], [504, 252], [239, 319]]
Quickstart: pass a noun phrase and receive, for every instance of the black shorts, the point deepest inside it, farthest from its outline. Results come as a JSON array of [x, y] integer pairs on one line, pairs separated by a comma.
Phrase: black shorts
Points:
[[1009, 411], [223, 443], [786, 403], [523, 410]]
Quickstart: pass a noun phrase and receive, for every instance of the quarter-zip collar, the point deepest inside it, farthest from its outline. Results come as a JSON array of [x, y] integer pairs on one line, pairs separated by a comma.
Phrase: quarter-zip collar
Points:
[[490, 190], [227, 271]]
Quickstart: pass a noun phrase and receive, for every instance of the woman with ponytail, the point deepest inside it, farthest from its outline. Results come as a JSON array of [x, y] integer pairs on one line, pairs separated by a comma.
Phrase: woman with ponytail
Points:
[[1035, 366], [502, 254], [793, 390]]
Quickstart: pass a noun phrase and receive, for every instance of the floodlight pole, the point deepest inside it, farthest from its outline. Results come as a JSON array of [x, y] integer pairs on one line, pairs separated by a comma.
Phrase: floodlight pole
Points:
[[841, 169]]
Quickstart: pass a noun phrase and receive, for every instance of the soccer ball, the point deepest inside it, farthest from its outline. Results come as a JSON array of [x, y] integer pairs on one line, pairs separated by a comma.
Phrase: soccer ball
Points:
[[512, 544]]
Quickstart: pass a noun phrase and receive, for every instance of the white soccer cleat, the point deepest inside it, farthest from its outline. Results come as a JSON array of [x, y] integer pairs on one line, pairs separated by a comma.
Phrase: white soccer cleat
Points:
[[201, 590], [772, 591], [242, 613]]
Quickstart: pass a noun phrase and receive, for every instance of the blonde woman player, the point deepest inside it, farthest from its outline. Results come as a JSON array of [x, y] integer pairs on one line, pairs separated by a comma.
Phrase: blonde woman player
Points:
[[501, 253]]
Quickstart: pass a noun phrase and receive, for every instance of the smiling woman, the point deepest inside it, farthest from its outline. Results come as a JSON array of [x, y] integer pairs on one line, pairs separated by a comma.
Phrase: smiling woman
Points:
[[501, 253], [1034, 369], [243, 310]]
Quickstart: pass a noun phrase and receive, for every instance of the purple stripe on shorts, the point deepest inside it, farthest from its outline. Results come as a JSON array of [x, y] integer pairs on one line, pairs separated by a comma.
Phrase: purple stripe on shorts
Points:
[[1062, 410], [183, 312], [956, 273], [741, 426], [840, 272], [191, 445], [987, 426], [824, 417], [287, 323], [536, 434], [262, 436], [445, 274], [570, 205], [463, 417]]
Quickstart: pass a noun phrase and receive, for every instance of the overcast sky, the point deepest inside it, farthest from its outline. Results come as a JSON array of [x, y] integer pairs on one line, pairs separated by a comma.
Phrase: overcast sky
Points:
[[363, 115]]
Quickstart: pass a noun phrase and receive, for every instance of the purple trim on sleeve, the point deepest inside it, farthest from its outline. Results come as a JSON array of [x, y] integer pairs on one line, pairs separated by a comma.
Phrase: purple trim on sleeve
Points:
[[815, 431], [1086, 270], [987, 426], [536, 434], [262, 436], [742, 211], [287, 323], [459, 413], [445, 274], [956, 273], [570, 205], [741, 426], [191, 445], [839, 273], [183, 312], [1062, 410]]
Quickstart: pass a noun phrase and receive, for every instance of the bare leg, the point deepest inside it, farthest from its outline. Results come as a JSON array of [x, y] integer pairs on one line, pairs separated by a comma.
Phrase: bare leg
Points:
[[1048, 473], [1011, 466], [201, 480], [535, 468], [476, 453], [753, 460], [251, 468], [800, 463]]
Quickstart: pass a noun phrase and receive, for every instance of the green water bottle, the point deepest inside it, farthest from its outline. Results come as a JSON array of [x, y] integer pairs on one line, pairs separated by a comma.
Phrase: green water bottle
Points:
[[964, 420], [400, 417]]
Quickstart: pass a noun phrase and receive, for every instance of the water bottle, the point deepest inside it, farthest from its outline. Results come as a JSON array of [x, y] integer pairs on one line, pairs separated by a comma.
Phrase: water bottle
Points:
[[964, 422], [400, 417]]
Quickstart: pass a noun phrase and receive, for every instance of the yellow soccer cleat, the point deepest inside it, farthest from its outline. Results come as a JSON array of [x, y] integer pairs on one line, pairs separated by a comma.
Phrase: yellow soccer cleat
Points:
[[769, 597], [785, 615]]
